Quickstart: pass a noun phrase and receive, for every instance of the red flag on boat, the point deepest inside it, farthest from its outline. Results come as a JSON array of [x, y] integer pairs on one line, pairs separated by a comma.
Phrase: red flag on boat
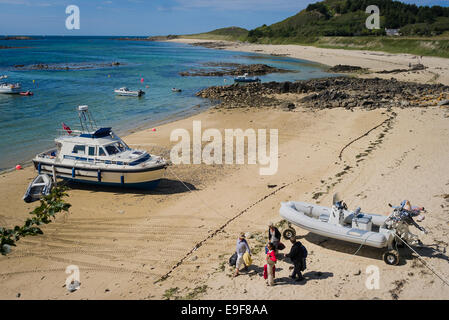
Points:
[[66, 128]]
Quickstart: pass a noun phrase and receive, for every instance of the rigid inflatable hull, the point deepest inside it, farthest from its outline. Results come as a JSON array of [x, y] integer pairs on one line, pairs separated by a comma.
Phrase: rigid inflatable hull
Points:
[[308, 220]]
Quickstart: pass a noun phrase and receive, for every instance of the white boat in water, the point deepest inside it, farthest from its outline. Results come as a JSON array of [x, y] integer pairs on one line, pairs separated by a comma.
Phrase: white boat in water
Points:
[[97, 155], [126, 92], [373, 230], [246, 78], [10, 88]]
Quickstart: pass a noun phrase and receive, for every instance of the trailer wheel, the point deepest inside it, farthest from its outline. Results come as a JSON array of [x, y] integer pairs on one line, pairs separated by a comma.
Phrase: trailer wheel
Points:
[[288, 233], [391, 257]]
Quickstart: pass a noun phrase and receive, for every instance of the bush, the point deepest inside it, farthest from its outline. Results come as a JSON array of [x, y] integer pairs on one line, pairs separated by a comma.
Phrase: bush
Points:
[[49, 206]]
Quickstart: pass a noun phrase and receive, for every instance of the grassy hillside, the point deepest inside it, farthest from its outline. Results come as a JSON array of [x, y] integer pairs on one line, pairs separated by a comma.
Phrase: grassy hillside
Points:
[[347, 18], [231, 34], [420, 46], [341, 24]]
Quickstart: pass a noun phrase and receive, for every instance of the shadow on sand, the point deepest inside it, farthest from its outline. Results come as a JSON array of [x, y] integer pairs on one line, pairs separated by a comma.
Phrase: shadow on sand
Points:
[[405, 254], [310, 275], [165, 187]]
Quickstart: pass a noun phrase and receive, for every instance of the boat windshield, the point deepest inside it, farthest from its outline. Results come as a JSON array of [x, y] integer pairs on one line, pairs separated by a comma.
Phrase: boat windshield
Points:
[[115, 148]]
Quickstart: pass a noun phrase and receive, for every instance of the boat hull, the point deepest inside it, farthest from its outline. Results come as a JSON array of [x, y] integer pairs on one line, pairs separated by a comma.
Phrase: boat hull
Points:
[[246, 80], [306, 219], [10, 91], [130, 93], [145, 178], [39, 187]]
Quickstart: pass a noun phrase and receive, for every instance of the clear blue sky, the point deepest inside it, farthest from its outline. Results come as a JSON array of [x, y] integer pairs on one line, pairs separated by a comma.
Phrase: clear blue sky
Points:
[[148, 17]]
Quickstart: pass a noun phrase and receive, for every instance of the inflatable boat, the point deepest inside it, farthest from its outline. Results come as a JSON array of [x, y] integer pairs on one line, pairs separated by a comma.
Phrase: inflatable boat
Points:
[[354, 227], [338, 222], [39, 187]]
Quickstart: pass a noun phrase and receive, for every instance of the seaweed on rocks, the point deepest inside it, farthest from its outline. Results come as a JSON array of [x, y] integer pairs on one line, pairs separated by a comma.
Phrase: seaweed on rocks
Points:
[[336, 92]]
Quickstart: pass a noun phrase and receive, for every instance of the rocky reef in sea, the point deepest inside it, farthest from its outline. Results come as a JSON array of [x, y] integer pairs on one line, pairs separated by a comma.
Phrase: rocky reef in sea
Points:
[[220, 69], [336, 92]]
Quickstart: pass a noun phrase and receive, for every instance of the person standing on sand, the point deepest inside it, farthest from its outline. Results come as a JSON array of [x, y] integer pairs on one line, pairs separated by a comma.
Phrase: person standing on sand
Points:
[[296, 255], [274, 236], [241, 248], [270, 267]]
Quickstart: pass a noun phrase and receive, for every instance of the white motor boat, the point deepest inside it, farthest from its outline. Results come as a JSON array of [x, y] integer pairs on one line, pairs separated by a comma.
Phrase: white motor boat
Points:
[[373, 230], [246, 78], [10, 88], [97, 155], [126, 92]]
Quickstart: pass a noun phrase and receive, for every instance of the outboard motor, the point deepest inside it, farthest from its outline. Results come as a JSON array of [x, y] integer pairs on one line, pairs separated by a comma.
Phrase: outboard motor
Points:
[[401, 219]]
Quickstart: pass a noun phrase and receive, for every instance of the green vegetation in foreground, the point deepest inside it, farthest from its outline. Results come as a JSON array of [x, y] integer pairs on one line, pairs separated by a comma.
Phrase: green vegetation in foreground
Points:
[[229, 34], [43, 214]]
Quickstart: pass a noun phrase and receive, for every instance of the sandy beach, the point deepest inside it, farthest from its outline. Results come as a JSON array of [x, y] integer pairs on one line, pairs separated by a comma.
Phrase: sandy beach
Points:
[[175, 241], [437, 68]]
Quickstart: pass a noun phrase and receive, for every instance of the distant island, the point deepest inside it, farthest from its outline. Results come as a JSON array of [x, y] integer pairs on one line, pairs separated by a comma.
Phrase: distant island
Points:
[[153, 38], [16, 38]]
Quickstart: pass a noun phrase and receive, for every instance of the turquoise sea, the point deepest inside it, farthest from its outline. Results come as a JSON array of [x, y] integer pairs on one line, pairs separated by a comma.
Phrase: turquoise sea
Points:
[[28, 124]]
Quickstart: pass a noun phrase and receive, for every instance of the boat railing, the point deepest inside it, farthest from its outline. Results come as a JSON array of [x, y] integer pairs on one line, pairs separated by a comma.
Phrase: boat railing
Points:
[[73, 131], [49, 154]]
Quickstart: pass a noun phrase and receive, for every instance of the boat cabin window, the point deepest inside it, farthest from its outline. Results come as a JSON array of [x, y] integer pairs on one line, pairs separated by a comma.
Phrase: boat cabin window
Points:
[[121, 147], [92, 151], [111, 149], [101, 152], [79, 149], [116, 148]]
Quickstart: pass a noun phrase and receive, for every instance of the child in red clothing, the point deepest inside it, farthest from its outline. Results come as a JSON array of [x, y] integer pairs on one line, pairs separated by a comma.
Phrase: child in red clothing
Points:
[[270, 267]]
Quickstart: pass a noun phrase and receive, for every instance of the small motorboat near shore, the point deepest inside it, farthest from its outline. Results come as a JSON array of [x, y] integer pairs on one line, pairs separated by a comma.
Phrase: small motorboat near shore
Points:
[[98, 156], [39, 187], [129, 93], [10, 88], [246, 78], [373, 230], [176, 90]]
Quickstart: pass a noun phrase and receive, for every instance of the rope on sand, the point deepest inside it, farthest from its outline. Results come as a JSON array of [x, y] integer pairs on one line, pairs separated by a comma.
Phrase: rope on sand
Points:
[[199, 244], [364, 135], [423, 261]]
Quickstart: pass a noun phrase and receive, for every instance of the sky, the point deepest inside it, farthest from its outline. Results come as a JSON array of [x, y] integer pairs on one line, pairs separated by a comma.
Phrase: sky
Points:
[[148, 17]]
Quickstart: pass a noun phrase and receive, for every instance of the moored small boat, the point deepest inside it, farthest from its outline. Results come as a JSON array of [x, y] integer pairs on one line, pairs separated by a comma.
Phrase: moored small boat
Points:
[[10, 88], [39, 187], [176, 90], [130, 93], [246, 78]]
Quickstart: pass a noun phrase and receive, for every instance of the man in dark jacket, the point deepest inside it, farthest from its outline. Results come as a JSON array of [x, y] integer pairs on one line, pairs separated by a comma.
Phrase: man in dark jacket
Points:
[[296, 255], [274, 236]]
